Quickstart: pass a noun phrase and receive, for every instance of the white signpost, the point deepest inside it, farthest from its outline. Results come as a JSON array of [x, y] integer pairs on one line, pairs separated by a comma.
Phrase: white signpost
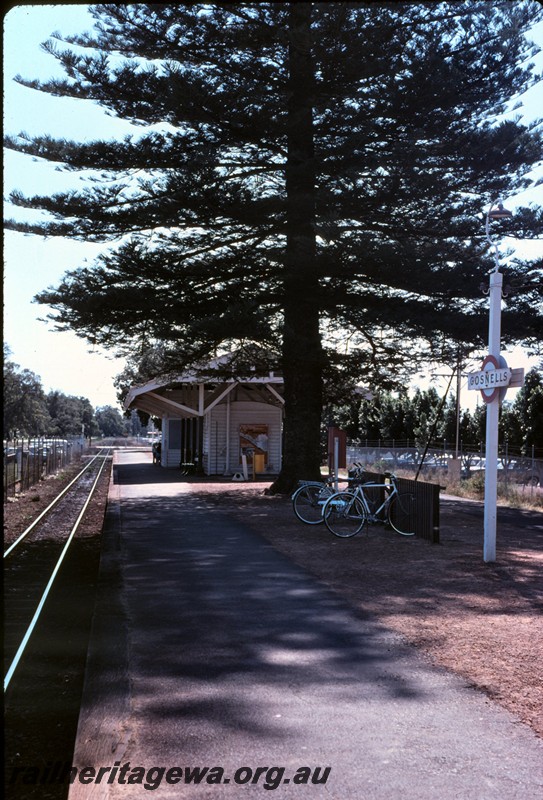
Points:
[[493, 380]]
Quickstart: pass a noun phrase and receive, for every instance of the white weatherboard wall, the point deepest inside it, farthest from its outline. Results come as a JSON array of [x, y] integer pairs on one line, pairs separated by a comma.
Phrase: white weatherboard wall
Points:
[[214, 455], [240, 413]]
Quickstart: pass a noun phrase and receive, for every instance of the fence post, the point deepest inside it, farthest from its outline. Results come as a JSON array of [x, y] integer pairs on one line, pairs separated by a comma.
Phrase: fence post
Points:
[[336, 463], [435, 516]]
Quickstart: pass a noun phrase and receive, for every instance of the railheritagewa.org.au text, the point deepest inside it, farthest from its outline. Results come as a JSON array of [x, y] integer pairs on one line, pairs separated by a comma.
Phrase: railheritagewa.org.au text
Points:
[[151, 778]]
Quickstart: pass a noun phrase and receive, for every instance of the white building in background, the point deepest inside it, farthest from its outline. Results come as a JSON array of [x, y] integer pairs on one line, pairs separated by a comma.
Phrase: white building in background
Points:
[[213, 421]]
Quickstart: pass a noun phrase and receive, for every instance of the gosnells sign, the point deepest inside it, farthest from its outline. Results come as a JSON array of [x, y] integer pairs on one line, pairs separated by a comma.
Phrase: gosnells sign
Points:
[[493, 378]]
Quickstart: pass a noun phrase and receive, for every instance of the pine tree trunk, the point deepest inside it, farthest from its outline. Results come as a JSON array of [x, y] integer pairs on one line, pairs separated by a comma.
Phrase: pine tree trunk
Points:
[[302, 350]]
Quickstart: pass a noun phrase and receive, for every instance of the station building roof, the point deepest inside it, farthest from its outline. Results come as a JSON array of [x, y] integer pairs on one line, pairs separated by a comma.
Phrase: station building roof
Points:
[[195, 393]]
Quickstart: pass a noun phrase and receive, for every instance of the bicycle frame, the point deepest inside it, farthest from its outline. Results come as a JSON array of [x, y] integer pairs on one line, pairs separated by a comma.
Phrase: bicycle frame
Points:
[[391, 490], [345, 513], [309, 497]]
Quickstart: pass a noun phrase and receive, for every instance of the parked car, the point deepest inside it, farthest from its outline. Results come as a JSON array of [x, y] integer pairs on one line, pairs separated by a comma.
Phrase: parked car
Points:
[[472, 466], [517, 471]]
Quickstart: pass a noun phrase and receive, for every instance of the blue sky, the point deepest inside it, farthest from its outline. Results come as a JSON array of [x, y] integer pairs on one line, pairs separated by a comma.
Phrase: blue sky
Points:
[[63, 361]]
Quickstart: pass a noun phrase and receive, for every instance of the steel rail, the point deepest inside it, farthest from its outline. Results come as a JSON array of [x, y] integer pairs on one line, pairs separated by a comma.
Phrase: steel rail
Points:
[[47, 589], [55, 501]]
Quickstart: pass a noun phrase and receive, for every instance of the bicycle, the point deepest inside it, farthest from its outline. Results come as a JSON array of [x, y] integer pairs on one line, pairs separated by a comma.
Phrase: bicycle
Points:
[[310, 496], [345, 513], [308, 501]]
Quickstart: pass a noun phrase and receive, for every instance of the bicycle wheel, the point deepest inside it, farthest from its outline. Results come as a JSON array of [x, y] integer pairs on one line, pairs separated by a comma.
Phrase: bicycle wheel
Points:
[[307, 502], [402, 514], [344, 514]]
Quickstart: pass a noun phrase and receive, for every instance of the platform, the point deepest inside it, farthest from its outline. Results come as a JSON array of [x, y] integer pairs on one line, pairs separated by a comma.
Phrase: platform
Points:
[[220, 669]]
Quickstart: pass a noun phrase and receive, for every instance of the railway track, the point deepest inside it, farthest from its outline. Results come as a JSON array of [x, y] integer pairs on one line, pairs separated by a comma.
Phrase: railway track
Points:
[[50, 580], [34, 561]]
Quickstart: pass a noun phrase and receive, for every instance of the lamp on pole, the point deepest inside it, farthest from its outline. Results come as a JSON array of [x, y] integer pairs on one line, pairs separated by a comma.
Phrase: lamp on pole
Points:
[[496, 211]]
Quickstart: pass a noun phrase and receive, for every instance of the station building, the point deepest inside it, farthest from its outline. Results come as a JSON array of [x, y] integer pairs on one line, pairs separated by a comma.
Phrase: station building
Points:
[[219, 424]]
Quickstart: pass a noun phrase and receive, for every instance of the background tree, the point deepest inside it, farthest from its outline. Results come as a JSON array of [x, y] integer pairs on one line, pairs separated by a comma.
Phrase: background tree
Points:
[[308, 169], [393, 420], [510, 427], [448, 421], [110, 421], [528, 413], [404, 418], [29, 411], [70, 416], [370, 419], [25, 409]]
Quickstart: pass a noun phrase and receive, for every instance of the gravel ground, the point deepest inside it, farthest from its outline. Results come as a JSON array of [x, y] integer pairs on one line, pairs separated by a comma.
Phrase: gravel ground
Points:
[[482, 621]]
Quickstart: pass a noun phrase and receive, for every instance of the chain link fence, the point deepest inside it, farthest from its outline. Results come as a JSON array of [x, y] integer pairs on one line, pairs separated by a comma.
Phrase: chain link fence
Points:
[[440, 458], [29, 461]]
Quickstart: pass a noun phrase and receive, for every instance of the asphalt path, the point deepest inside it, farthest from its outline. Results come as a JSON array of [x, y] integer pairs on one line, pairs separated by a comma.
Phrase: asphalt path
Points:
[[211, 649]]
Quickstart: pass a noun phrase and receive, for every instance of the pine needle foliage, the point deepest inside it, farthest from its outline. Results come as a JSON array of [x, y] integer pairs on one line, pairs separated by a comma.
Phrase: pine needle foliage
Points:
[[305, 173]]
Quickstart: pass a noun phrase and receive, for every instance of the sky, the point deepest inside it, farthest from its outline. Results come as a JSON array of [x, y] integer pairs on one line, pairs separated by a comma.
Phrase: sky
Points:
[[63, 361]]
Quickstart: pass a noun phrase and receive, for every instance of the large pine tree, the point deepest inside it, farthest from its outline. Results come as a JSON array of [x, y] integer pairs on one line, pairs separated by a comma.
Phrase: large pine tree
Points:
[[310, 172]]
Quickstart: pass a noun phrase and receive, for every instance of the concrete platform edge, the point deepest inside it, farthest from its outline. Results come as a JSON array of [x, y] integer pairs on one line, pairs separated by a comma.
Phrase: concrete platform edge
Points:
[[101, 734]]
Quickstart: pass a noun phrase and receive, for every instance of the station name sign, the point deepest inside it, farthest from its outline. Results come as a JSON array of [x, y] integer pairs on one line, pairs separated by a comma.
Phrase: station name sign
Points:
[[494, 378], [489, 379]]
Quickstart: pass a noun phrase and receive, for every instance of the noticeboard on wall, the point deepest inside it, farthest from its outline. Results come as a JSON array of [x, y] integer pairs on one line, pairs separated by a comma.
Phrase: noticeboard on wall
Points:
[[253, 438]]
